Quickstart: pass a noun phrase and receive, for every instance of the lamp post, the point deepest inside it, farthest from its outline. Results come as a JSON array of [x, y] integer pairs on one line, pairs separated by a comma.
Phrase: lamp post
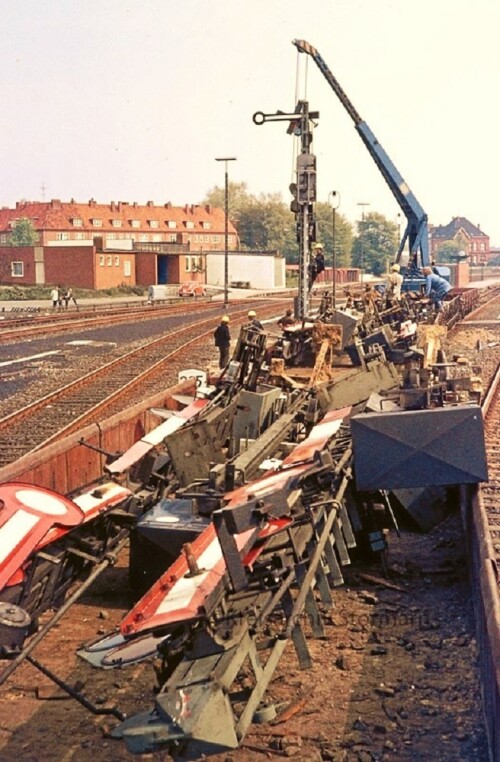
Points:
[[334, 200], [362, 204], [225, 159]]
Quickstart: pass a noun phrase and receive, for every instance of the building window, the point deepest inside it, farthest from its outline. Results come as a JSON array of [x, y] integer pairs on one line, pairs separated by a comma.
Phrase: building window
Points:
[[3, 238], [481, 246], [171, 224], [62, 236], [127, 270], [101, 260], [97, 223], [216, 239], [189, 224], [79, 236], [111, 236], [135, 223], [77, 222], [172, 237], [206, 225], [156, 237], [153, 223], [230, 240], [194, 264], [17, 269], [116, 223], [109, 261], [143, 237], [117, 261], [207, 238]]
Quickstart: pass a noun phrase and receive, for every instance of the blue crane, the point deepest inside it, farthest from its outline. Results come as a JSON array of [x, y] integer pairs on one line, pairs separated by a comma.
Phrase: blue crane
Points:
[[416, 233]]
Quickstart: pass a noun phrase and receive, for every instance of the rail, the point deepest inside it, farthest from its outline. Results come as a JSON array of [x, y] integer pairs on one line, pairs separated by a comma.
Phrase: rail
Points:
[[93, 395]]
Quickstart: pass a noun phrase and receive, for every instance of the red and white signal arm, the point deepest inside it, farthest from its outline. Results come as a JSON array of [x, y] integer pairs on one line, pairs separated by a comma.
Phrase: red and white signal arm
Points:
[[27, 513]]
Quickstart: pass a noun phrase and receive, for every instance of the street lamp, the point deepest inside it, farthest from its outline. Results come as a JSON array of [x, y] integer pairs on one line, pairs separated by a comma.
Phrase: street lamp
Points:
[[362, 204], [225, 159], [334, 201]]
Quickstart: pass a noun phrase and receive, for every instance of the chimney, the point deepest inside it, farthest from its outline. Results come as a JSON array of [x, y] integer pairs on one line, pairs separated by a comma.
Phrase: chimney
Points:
[[92, 202], [168, 205], [208, 208], [150, 203]]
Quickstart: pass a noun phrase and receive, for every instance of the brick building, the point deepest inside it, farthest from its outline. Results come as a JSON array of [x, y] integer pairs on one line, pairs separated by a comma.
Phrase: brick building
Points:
[[95, 245], [470, 238]]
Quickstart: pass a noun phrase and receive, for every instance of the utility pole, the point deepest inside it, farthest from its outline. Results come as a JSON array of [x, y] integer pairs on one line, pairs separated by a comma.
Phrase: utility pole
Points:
[[334, 199], [225, 159], [362, 204]]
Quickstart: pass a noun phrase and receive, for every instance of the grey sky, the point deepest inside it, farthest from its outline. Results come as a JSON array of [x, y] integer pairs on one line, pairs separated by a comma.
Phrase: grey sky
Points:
[[132, 101]]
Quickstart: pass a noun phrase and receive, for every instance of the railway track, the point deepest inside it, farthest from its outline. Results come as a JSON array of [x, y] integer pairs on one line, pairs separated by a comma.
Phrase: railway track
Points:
[[17, 329], [490, 492], [114, 386]]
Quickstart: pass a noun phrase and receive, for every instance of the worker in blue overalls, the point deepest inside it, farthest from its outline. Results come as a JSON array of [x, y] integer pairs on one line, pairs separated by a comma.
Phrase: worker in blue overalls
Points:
[[436, 287]]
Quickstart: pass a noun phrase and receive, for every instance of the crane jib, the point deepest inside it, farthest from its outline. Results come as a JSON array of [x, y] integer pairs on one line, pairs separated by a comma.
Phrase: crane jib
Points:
[[417, 229]]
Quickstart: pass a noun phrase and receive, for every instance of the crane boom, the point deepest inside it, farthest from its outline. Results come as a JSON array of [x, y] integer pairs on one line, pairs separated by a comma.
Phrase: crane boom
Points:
[[416, 232]]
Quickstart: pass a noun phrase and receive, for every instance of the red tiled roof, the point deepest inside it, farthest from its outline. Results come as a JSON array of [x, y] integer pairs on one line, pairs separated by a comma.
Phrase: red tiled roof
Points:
[[59, 215]]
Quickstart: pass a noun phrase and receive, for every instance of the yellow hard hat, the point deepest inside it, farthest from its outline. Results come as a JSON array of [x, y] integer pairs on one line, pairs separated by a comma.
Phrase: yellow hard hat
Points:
[[224, 319], [396, 268], [317, 245], [252, 313]]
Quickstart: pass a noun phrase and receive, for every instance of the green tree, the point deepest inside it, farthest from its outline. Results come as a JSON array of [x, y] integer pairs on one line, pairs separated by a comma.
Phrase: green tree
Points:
[[24, 234], [448, 250], [265, 222], [237, 197], [343, 234], [375, 244]]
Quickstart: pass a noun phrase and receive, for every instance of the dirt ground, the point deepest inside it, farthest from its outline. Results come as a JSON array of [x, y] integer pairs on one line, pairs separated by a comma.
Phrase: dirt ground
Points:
[[394, 679]]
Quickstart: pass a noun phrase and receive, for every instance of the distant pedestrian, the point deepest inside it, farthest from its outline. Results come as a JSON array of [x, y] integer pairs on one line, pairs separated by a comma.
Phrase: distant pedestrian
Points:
[[54, 295], [223, 341], [253, 322], [68, 297], [436, 287]]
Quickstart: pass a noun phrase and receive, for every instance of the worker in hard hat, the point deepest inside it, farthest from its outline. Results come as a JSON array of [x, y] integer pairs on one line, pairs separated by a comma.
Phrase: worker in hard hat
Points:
[[222, 339], [253, 322], [394, 283], [317, 263]]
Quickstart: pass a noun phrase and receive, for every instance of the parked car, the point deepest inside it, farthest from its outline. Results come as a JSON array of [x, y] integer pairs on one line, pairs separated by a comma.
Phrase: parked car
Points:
[[192, 288]]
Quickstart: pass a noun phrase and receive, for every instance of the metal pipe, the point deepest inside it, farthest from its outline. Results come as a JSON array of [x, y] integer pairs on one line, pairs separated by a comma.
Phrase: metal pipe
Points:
[[73, 693], [60, 613]]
